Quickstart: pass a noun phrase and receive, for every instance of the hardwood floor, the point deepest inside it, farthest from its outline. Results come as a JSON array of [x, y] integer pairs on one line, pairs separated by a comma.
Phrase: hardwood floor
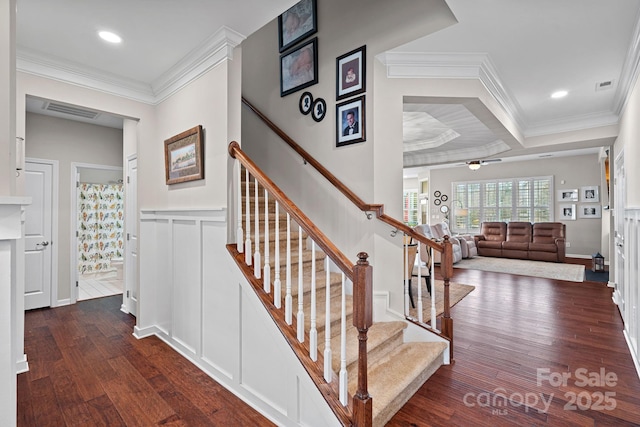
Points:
[[87, 369], [513, 331]]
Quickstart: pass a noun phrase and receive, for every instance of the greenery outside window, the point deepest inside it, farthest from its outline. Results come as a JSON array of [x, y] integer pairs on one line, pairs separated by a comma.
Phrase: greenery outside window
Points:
[[512, 199]]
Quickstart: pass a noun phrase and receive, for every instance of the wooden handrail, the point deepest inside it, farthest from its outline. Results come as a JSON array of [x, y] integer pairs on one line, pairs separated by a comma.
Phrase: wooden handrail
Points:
[[341, 260], [378, 209]]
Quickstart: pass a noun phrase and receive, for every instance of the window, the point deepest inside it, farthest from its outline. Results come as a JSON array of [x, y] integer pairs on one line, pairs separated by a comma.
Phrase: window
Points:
[[516, 199], [410, 207]]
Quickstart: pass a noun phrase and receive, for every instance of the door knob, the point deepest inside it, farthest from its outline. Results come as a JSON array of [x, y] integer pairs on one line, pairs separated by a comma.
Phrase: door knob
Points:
[[45, 243]]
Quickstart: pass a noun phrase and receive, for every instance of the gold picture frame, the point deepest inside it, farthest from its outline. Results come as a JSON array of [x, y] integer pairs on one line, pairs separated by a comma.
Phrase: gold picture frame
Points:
[[183, 156]]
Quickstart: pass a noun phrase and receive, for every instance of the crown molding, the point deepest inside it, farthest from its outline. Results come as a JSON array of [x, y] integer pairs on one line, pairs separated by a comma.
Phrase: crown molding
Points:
[[213, 51], [630, 70], [454, 66], [479, 66], [49, 67]]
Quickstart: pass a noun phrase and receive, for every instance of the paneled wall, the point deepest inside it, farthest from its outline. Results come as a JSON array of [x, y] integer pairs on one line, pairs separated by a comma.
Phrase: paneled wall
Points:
[[193, 296]]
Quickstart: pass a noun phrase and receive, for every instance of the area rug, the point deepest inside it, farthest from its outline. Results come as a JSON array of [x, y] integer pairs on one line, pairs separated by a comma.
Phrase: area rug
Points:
[[522, 267], [600, 276], [457, 292]]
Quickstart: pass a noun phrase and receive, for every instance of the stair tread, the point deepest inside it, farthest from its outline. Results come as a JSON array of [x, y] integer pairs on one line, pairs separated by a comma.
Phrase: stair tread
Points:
[[393, 379], [379, 333]]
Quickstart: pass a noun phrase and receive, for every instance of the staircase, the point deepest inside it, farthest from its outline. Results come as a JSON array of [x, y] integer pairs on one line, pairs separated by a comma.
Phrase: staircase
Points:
[[396, 368]]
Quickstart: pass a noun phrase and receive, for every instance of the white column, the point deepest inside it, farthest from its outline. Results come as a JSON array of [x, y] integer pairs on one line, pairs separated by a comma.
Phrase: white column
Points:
[[10, 231]]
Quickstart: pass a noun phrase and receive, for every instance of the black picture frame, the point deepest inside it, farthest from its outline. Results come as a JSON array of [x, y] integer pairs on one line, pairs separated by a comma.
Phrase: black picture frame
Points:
[[355, 107], [319, 109], [351, 73], [299, 67], [297, 23], [306, 103]]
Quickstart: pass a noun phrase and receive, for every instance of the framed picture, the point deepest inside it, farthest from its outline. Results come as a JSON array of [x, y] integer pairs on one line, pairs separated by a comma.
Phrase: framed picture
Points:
[[590, 211], [183, 156], [568, 195], [567, 211], [299, 68], [306, 103], [319, 109], [350, 122], [296, 23], [589, 194], [350, 73]]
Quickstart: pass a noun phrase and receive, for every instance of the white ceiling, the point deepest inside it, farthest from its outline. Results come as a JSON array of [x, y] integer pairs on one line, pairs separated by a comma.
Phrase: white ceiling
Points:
[[521, 50]]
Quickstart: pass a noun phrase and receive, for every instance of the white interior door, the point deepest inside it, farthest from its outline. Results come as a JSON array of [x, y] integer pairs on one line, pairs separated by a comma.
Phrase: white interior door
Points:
[[38, 235], [130, 294]]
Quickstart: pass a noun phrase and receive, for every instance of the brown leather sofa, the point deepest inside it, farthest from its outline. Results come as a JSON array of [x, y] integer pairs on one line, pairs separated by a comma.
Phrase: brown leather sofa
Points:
[[541, 241]]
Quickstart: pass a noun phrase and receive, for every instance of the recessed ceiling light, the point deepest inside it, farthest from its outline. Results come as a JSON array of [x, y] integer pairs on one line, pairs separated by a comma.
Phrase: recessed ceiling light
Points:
[[559, 94], [110, 37]]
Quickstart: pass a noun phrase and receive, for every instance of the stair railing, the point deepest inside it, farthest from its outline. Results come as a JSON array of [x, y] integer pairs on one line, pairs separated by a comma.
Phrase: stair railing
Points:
[[444, 247], [248, 254]]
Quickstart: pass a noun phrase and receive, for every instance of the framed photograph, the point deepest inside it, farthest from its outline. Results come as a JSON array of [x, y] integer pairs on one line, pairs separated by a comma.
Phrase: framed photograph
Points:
[[567, 211], [350, 122], [183, 156], [296, 23], [589, 194], [590, 211], [299, 68], [568, 195], [350, 73]]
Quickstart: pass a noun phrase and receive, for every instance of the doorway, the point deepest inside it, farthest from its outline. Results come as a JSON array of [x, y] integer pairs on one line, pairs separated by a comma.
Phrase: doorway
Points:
[[98, 251]]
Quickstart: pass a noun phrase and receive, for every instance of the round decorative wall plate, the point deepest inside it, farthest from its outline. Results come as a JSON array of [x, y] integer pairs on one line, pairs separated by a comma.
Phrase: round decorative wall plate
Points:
[[444, 198], [437, 202], [437, 194], [306, 103], [319, 109], [444, 209]]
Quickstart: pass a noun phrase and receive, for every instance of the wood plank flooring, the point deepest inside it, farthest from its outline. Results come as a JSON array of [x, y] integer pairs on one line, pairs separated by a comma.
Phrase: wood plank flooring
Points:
[[508, 329], [87, 369]]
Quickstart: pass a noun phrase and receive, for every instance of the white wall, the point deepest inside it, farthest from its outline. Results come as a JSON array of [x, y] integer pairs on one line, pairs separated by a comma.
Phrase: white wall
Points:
[[372, 169], [69, 141], [7, 97]]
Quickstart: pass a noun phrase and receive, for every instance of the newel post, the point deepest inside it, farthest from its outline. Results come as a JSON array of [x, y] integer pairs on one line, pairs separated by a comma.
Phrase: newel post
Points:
[[447, 271], [362, 320]]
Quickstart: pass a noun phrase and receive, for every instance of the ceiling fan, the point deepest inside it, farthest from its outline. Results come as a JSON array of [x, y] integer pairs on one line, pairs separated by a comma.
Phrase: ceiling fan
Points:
[[475, 164]]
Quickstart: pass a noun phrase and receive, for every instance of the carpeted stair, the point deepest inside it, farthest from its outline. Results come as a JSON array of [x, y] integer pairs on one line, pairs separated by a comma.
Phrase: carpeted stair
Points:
[[397, 369]]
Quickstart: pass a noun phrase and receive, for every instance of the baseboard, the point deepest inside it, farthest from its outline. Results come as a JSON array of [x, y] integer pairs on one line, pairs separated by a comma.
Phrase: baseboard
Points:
[[62, 302], [611, 284], [123, 308], [634, 356], [140, 333], [22, 365]]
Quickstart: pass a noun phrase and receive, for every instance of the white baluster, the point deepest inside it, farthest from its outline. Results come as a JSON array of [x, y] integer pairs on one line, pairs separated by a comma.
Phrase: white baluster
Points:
[[288, 299], [313, 332], [420, 315], [300, 315], [267, 268], [328, 371], [247, 214], [257, 264], [343, 347], [405, 281], [433, 292], [277, 297], [239, 231]]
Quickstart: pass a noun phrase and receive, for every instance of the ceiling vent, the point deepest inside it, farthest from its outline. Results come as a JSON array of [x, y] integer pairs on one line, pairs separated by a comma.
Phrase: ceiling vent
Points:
[[604, 85], [71, 110]]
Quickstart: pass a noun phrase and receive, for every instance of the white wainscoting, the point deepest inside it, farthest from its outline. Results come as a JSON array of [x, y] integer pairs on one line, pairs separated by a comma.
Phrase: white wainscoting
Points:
[[193, 296], [628, 295]]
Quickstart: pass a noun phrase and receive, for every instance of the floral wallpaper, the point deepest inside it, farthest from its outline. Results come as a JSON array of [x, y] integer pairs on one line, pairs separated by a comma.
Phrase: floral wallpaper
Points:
[[100, 229]]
